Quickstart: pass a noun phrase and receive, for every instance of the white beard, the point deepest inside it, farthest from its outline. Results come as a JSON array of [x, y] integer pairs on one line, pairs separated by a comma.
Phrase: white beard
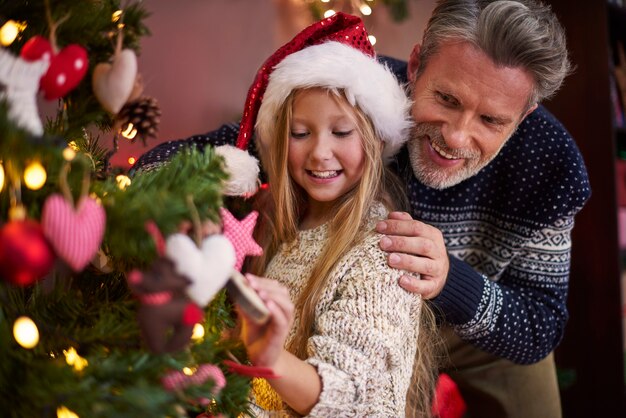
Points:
[[433, 175]]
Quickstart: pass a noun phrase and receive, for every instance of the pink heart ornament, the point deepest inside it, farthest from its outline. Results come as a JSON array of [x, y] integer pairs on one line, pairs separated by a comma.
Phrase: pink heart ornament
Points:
[[208, 267], [113, 83], [75, 234], [66, 70]]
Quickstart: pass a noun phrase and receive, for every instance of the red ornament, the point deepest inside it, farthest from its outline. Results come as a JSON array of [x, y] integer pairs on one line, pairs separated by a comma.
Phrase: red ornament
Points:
[[25, 255], [67, 68]]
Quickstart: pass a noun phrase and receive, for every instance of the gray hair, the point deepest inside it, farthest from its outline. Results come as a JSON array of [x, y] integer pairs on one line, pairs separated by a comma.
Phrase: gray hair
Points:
[[513, 33]]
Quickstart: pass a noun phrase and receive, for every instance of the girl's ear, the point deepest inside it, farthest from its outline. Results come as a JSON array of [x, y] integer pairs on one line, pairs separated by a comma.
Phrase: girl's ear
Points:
[[414, 63]]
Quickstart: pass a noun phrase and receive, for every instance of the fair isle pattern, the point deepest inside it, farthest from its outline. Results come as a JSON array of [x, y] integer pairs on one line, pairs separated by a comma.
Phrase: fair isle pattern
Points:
[[509, 230], [75, 234]]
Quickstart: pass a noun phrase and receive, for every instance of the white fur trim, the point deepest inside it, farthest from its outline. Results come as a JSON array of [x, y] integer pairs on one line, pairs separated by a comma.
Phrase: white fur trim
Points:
[[242, 169], [367, 83]]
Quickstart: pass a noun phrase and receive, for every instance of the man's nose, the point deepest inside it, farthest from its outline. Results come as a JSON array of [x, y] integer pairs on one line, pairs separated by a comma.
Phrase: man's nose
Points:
[[457, 132]]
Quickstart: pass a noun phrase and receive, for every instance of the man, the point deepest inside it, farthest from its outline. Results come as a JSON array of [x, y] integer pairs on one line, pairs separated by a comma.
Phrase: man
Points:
[[495, 182], [505, 206]]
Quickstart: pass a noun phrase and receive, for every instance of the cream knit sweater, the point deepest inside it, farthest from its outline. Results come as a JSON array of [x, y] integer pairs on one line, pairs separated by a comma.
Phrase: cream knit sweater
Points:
[[366, 327]]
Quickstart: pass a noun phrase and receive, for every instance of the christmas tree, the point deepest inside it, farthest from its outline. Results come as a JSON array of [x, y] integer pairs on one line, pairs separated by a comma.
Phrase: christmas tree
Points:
[[106, 309]]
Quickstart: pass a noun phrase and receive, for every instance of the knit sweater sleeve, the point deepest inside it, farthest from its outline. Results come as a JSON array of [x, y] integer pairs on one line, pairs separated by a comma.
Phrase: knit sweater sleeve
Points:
[[224, 135], [521, 315], [365, 340]]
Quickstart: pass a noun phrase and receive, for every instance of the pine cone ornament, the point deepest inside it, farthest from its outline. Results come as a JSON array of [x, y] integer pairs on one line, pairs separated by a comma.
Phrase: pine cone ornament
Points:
[[144, 114]]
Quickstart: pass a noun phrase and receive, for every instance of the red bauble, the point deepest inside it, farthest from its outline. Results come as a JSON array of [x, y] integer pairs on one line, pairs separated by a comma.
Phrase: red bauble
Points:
[[67, 68], [25, 254]]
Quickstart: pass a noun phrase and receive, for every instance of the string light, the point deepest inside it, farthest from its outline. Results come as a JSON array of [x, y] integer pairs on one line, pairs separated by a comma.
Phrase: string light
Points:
[[73, 359], [17, 212], [116, 16], [329, 13], [188, 371], [198, 332], [122, 181], [131, 160], [1, 176], [64, 412], [365, 10], [372, 39], [35, 176], [9, 31], [72, 145], [25, 332], [130, 132], [69, 154]]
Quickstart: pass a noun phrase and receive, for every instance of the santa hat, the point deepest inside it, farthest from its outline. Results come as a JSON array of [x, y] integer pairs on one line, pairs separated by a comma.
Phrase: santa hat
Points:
[[334, 53]]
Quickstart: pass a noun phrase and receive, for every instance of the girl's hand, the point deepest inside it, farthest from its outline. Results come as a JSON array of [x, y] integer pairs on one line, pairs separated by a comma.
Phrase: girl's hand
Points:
[[265, 343]]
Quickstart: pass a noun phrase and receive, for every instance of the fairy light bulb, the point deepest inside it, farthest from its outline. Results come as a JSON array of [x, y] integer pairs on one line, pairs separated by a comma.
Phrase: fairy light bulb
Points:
[[329, 13], [122, 181], [131, 160], [130, 132], [35, 176], [116, 16], [25, 332], [73, 359], [188, 371], [8, 32], [73, 145], [198, 332], [372, 39], [1, 176], [64, 412], [68, 154], [365, 10]]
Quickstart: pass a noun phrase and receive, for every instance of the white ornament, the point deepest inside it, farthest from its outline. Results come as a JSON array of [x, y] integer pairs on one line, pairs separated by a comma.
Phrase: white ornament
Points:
[[113, 83], [208, 267], [21, 83]]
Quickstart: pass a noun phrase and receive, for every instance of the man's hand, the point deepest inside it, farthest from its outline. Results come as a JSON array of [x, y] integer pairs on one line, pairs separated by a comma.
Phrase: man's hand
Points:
[[418, 248]]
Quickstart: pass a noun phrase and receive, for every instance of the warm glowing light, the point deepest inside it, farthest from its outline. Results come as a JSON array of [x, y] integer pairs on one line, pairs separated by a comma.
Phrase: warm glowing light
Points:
[[1, 176], [64, 412], [329, 13], [35, 176], [130, 132], [73, 359], [116, 16], [69, 154], [131, 160], [188, 371], [198, 332], [365, 9], [9, 31], [72, 145], [325, 1], [372, 39], [25, 332], [17, 213], [122, 181]]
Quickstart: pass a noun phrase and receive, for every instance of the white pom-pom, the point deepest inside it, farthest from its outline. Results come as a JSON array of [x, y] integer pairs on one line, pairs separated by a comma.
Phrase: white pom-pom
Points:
[[243, 171]]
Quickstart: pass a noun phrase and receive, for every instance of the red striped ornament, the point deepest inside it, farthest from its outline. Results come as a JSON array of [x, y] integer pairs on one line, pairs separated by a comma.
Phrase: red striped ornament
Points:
[[75, 234]]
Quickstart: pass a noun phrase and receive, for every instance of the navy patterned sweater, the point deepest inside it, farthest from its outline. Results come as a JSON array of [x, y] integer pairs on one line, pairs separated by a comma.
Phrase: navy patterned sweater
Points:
[[507, 230]]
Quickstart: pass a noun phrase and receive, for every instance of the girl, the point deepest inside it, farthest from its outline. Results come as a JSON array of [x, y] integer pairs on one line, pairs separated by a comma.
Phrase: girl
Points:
[[348, 344]]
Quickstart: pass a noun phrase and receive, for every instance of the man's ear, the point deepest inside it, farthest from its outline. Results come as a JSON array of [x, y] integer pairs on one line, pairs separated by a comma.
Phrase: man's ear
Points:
[[414, 63], [530, 110]]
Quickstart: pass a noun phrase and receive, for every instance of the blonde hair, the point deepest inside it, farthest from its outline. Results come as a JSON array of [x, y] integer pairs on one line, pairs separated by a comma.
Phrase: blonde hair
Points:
[[282, 209]]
